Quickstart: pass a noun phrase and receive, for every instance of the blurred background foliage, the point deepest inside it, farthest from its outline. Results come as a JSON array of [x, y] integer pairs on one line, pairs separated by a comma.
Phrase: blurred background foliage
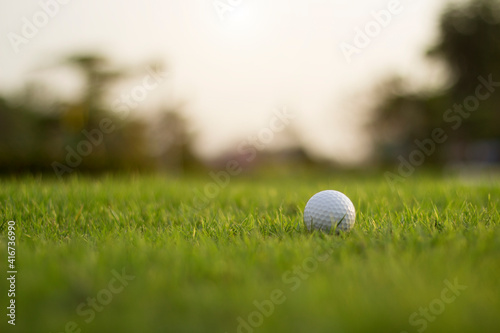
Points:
[[468, 47], [35, 134]]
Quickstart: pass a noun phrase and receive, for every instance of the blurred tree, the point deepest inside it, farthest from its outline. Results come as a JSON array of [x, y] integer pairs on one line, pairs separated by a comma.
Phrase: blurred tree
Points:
[[98, 76], [27, 137], [171, 141], [124, 146], [469, 47], [36, 136]]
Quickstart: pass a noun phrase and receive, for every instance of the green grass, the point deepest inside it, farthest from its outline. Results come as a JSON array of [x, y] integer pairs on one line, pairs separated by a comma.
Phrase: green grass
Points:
[[198, 267]]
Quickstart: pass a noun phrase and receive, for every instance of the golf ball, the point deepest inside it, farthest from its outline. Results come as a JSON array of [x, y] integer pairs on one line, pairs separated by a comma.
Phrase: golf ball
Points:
[[329, 209]]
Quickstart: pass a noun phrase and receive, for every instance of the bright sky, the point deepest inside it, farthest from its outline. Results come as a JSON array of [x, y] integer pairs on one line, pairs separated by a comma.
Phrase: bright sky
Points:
[[236, 61]]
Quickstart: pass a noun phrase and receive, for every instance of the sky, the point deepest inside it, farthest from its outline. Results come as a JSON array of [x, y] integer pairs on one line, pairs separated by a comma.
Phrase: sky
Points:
[[235, 62]]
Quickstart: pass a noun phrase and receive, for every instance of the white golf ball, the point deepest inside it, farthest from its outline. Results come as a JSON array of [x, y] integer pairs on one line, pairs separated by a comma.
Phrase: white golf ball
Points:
[[329, 209]]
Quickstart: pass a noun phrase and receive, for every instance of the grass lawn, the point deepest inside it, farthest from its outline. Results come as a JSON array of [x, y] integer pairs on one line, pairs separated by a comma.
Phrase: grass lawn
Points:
[[153, 254]]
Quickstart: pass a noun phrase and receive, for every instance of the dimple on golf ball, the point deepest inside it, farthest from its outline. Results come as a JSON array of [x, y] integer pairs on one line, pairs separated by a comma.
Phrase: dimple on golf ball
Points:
[[327, 210]]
